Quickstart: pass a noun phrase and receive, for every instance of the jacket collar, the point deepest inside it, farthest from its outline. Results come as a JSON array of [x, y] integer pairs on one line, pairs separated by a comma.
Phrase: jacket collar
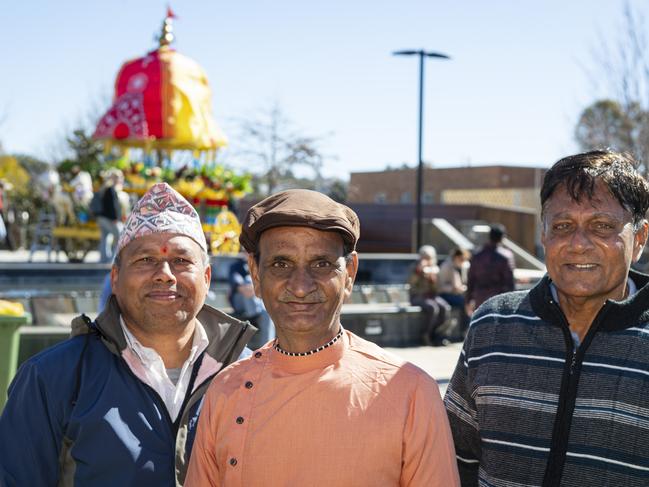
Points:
[[621, 314]]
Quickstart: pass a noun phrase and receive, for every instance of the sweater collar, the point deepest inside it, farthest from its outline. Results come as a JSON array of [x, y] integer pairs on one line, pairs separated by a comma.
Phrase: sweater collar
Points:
[[621, 315]]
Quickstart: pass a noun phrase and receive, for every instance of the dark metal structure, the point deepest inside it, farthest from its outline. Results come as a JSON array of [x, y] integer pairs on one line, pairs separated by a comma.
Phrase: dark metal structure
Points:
[[420, 167]]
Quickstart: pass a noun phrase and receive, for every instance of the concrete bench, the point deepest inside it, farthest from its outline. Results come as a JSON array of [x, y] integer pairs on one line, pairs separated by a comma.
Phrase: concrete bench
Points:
[[390, 325]]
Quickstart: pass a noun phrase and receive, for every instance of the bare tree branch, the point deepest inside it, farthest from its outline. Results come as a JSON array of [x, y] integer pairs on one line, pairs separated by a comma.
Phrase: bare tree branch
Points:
[[269, 142], [621, 120]]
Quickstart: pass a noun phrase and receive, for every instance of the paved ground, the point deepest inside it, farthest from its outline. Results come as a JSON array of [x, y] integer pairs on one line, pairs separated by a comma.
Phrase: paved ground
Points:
[[437, 361]]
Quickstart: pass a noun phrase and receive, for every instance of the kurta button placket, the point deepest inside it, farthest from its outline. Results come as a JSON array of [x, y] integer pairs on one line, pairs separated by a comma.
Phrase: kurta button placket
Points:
[[249, 385], [233, 461], [240, 420]]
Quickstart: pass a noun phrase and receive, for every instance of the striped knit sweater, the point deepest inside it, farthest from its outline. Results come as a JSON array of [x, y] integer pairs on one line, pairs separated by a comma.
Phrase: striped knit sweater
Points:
[[526, 409]]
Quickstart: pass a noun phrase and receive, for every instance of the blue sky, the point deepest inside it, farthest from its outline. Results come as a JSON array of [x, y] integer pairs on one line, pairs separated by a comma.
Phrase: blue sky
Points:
[[511, 94]]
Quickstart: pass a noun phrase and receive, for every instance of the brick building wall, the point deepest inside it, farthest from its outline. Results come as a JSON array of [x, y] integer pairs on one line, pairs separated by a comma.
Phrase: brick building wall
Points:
[[385, 202], [399, 185], [506, 197]]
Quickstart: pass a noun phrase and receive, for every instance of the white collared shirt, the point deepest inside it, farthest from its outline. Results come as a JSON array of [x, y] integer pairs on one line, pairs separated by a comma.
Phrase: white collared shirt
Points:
[[172, 394]]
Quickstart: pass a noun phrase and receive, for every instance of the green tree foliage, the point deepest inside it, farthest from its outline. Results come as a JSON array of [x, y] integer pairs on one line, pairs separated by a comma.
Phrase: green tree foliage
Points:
[[620, 121], [28, 198], [337, 190], [609, 124], [85, 153]]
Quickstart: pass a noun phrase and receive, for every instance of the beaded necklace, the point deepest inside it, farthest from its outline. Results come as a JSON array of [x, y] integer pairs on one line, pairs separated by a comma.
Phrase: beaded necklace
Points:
[[311, 352]]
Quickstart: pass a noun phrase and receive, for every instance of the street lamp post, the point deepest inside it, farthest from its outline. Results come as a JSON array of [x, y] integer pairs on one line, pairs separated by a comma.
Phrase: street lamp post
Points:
[[420, 167]]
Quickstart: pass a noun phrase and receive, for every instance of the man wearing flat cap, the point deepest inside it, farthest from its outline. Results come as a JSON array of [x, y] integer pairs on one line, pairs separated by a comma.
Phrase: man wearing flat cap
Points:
[[317, 406], [118, 403]]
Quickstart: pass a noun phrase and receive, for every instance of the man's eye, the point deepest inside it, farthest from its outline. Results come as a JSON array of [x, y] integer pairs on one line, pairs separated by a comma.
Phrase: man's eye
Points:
[[560, 227], [604, 226], [146, 260], [322, 264], [279, 264], [182, 261]]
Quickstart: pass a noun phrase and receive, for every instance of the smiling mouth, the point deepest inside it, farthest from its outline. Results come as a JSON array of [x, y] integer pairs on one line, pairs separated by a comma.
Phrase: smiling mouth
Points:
[[300, 306], [582, 267], [163, 295]]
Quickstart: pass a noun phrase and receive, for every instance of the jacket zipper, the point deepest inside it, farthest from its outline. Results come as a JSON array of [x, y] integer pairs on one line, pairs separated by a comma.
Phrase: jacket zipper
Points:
[[573, 362], [188, 392], [567, 396]]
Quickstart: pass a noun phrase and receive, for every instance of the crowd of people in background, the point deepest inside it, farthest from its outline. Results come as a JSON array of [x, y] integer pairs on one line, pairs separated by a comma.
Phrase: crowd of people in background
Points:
[[458, 286], [68, 200]]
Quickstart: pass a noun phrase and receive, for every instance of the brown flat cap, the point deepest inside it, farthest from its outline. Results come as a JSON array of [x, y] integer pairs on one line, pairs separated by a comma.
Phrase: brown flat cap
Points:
[[299, 208]]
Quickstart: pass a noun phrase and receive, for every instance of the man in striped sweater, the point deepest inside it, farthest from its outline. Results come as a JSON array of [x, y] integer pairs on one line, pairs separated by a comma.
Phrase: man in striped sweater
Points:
[[552, 386]]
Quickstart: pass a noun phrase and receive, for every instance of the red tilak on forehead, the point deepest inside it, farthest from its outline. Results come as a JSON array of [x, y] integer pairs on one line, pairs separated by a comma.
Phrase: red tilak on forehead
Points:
[[164, 249]]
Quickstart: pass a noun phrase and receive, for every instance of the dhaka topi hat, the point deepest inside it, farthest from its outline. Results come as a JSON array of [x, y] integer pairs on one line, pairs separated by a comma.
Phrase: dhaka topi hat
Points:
[[162, 209], [299, 208]]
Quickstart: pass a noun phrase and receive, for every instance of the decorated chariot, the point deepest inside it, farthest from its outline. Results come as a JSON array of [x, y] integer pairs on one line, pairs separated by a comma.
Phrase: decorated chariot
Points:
[[160, 128]]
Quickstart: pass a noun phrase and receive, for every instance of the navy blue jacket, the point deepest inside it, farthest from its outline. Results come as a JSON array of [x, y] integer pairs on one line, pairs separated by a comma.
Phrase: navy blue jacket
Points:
[[78, 415]]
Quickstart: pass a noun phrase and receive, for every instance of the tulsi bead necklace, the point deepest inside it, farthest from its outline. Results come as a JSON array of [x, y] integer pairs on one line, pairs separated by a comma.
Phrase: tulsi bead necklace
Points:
[[310, 352]]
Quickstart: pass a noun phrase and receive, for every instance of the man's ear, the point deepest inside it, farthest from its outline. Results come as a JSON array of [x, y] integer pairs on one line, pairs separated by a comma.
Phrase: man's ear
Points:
[[208, 275], [639, 240], [352, 269], [254, 274], [114, 273]]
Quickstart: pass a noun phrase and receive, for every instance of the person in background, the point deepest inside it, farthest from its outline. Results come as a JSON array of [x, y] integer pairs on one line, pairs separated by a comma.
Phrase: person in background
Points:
[[318, 406], [81, 184], [109, 217], [124, 200], [551, 385], [246, 305], [491, 270], [117, 404], [424, 293], [451, 283]]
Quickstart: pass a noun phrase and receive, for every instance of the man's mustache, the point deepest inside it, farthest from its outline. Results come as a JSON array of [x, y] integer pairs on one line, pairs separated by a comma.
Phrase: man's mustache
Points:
[[313, 298], [174, 289]]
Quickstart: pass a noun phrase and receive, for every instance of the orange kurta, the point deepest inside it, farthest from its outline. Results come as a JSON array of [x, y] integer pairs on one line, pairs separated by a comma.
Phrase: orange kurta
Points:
[[350, 415]]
